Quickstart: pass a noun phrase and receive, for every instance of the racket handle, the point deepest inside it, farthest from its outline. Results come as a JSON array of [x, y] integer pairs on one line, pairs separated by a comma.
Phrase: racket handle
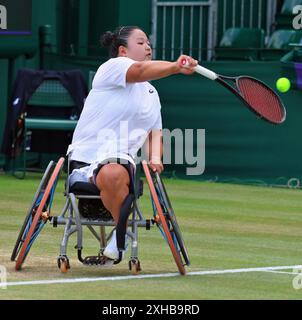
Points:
[[206, 72], [202, 70]]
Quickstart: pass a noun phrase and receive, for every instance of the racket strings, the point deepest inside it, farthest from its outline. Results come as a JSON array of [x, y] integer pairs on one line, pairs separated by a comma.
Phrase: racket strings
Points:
[[262, 99]]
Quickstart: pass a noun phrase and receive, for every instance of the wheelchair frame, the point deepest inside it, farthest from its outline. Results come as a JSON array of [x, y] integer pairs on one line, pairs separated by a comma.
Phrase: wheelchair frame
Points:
[[70, 217]]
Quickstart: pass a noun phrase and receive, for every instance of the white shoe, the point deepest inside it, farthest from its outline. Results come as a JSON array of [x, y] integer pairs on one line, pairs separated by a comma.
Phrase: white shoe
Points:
[[111, 250]]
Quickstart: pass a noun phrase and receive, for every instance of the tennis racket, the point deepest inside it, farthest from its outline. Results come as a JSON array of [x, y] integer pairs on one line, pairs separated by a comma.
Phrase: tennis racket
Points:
[[256, 95]]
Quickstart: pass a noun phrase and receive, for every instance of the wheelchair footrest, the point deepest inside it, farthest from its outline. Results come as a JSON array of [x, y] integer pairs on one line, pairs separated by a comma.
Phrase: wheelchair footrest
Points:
[[101, 261]]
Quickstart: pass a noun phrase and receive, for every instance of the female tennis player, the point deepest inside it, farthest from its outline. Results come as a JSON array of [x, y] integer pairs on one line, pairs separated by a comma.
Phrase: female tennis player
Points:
[[121, 113]]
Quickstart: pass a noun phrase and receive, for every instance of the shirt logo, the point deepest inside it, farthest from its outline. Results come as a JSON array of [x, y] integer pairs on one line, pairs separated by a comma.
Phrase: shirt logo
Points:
[[16, 101], [151, 91]]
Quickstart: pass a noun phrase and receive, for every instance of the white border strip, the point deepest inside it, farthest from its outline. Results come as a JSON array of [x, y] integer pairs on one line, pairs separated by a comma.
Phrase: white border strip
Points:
[[147, 276]]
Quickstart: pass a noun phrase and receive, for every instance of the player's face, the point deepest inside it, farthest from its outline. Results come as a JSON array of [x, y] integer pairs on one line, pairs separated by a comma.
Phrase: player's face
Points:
[[139, 47]]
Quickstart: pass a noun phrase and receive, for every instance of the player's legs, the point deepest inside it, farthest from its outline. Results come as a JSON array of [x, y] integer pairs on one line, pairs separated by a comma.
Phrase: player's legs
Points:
[[116, 185], [113, 181]]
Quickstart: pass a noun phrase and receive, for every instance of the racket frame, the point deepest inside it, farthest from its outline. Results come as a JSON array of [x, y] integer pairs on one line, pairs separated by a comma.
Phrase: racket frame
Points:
[[236, 90]]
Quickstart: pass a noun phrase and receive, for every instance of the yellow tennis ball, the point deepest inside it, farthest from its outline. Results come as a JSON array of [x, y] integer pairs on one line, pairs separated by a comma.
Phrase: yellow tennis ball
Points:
[[283, 85]]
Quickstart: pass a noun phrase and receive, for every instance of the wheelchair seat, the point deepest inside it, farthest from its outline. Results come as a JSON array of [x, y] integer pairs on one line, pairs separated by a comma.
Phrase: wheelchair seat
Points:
[[84, 188]]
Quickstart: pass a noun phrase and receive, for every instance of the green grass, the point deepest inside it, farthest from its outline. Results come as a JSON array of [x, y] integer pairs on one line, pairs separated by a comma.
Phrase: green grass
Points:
[[225, 226]]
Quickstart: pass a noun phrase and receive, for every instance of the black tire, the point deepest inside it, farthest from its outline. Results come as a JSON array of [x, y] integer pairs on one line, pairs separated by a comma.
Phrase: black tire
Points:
[[170, 216], [162, 218]]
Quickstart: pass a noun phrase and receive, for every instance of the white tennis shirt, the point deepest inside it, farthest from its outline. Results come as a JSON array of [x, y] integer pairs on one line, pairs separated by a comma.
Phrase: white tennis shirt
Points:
[[117, 116]]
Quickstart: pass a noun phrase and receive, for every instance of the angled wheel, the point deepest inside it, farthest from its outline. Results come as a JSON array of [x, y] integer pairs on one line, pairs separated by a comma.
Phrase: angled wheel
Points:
[[35, 203], [38, 213], [165, 219], [171, 217]]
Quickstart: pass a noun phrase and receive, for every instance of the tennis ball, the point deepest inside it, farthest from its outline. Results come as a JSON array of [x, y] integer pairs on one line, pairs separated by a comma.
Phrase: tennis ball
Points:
[[283, 85]]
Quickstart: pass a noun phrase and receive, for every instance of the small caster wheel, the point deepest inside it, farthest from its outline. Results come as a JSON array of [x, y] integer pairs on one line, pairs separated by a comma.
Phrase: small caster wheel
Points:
[[64, 267], [135, 266], [63, 264]]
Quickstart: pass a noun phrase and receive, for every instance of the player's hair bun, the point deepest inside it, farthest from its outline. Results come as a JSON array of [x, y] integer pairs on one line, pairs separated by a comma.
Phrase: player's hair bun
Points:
[[107, 39], [113, 40]]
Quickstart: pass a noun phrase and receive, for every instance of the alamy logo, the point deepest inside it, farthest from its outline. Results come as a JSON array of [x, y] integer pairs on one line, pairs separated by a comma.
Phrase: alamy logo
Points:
[[3, 279], [297, 281], [297, 22], [3, 17]]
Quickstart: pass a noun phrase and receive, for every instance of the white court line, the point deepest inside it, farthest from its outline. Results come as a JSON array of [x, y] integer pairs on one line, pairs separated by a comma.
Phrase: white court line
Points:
[[283, 272], [147, 276]]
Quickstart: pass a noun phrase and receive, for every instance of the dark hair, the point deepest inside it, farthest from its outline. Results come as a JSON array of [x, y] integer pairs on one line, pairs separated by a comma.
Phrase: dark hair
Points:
[[113, 40]]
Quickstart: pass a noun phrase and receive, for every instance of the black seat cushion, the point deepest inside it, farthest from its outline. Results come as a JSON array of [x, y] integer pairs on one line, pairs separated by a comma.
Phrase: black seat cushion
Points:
[[84, 188]]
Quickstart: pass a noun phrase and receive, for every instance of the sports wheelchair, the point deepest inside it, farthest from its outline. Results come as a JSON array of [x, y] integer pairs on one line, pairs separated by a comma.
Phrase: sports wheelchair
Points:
[[84, 207]]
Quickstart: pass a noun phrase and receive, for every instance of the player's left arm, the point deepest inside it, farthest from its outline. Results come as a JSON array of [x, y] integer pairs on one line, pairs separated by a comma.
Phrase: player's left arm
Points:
[[155, 150]]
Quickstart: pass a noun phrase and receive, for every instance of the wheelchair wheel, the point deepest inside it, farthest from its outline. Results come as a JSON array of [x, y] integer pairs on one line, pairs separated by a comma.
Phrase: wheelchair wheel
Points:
[[168, 210], [35, 203], [38, 213], [165, 219]]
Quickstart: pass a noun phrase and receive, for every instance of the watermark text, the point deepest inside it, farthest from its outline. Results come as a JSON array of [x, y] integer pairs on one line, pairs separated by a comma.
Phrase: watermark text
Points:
[[3, 17], [3, 277], [180, 146], [297, 21]]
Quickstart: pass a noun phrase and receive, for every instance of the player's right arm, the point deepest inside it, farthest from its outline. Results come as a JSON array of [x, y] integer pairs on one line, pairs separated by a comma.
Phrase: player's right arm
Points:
[[153, 70]]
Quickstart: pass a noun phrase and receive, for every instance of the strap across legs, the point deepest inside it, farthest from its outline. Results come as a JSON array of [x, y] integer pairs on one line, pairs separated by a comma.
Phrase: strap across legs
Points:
[[121, 227]]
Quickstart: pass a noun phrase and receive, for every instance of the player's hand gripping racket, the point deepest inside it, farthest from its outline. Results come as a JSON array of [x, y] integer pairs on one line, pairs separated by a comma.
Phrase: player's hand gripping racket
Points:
[[256, 95]]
